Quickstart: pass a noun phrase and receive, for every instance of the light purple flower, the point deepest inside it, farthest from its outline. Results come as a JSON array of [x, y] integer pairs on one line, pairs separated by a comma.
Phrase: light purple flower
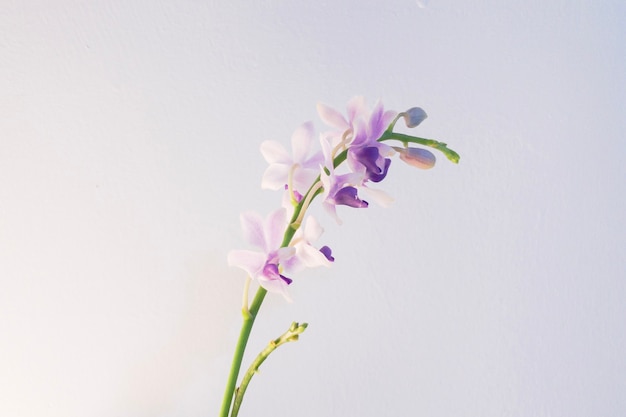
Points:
[[297, 170], [339, 189], [264, 264], [356, 109], [307, 256]]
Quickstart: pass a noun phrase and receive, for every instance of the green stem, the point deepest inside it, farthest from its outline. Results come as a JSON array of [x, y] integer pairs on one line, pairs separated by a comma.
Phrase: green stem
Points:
[[406, 139], [290, 335], [246, 328]]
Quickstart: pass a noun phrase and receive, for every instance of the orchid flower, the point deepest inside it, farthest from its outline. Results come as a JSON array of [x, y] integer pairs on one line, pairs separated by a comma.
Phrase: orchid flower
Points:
[[296, 171], [356, 109], [338, 189], [264, 265], [307, 256], [365, 150]]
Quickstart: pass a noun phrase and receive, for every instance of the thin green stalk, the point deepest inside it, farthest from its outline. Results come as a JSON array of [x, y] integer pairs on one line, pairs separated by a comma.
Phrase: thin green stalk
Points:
[[406, 139], [290, 335], [246, 328]]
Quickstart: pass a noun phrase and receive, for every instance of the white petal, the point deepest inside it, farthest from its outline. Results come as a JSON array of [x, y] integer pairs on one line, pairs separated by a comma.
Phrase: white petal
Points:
[[312, 257], [274, 152], [332, 117], [314, 160], [275, 226], [286, 253], [250, 261], [357, 108], [252, 225], [382, 198], [275, 177], [332, 211], [312, 229], [301, 142], [303, 179]]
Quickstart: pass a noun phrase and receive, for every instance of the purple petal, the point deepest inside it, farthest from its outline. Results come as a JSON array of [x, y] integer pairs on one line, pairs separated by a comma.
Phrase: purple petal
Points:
[[270, 272], [347, 196], [327, 252], [376, 126], [380, 176], [368, 158]]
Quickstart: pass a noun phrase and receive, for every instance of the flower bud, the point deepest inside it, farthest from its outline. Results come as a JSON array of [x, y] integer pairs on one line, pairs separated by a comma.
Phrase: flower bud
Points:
[[417, 157], [414, 116]]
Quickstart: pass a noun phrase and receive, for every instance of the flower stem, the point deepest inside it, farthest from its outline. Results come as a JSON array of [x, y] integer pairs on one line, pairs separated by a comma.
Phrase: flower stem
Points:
[[246, 328], [406, 139], [290, 335]]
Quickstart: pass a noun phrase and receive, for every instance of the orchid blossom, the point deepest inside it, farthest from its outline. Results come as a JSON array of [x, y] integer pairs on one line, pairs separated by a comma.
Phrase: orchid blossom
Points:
[[353, 155], [264, 265], [306, 255], [297, 171]]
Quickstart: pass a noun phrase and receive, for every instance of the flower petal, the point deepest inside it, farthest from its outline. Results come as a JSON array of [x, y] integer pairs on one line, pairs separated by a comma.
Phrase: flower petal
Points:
[[356, 108], [332, 117], [252, 225], [380, 197], [301, 142], [312, 257], [312, 229], [250, 261], [275, 285], [275, 177], [274, 152], [275, 228]]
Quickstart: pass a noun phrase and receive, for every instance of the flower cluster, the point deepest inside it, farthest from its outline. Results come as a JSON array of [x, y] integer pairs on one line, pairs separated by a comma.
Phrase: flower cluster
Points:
[[351, 157]]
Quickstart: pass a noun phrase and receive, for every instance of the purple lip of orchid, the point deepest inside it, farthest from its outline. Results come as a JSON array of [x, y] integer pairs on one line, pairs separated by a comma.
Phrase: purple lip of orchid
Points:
[[271, 271], [296, 194], [327, 252], [347, 196], [370, 158], [380, 176]]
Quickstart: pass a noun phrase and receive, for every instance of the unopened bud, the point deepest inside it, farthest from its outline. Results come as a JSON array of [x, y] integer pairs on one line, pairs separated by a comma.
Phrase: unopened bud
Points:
[[414, 116], [417, 157]]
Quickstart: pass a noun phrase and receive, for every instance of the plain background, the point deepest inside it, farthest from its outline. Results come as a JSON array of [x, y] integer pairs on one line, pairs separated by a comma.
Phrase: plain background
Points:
[[129, 137]]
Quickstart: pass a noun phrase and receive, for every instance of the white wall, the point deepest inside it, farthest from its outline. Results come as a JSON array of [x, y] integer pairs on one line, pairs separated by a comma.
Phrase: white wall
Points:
[[129, 134]]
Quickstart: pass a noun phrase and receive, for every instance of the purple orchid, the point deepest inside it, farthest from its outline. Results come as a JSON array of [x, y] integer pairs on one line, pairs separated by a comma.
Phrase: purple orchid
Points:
[[366, 151], [264, 265], [339, 189]]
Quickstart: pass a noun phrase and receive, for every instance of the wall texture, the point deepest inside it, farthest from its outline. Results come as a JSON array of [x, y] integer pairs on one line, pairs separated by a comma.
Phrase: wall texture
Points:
[[129, 136]]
